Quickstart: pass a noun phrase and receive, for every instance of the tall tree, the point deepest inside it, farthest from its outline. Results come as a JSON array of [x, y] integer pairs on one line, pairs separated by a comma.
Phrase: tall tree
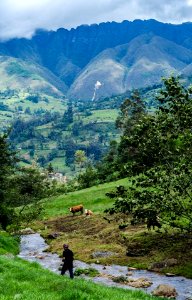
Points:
[[68, 115], [80, 158], [7, 160], [160, 146]]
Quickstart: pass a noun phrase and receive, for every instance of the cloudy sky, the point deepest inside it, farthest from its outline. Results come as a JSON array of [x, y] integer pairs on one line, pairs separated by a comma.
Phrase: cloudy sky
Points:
[[20, 18]]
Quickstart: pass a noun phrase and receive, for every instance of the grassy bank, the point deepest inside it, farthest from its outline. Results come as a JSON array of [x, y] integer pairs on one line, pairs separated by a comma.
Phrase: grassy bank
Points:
[[93, 198], [8, 244], [23, 280]]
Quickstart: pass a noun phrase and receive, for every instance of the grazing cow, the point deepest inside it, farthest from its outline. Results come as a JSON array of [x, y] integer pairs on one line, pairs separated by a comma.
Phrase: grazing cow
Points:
[[76, 208], [88, 212]]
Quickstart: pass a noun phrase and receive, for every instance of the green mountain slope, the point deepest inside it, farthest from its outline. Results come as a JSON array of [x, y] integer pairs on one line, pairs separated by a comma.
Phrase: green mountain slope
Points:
[[17, 74], [140, 63]]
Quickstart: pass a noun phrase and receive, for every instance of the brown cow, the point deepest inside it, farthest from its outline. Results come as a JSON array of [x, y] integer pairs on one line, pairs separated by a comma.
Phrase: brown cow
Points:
[[76, 208], [88, 212]]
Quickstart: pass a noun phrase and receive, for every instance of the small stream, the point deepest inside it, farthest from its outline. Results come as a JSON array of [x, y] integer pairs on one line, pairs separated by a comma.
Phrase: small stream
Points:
[[33, 248]]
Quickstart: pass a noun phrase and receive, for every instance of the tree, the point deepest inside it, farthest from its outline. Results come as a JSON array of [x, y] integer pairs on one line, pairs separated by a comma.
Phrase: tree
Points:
[[50, 168], [68, 115], [23, 187], [7, 161], [160, 146], [88, 178], [29, 186], [130, 111], [80, 158], [108, 168], [120, 159]]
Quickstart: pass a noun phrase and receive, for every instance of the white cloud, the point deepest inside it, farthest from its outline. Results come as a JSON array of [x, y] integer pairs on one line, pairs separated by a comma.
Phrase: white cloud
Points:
[[20, 18]]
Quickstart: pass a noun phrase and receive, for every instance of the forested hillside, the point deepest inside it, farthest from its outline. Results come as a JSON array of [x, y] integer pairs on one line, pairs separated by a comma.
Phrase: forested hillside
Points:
[[51, 131]]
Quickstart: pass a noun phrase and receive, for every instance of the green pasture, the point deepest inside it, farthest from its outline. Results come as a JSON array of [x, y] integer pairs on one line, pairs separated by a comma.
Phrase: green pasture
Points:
[[58, 164], [105, 115], [52, 104], [93, 198]]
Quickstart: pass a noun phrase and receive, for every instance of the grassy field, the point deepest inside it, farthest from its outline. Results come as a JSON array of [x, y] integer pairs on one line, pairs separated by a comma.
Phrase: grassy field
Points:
[[93, 198], [96, 129], [52, 103], [23, 280], [105, 115]]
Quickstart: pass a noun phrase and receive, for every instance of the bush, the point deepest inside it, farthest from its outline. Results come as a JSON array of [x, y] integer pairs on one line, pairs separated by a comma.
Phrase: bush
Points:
[[91, 272]]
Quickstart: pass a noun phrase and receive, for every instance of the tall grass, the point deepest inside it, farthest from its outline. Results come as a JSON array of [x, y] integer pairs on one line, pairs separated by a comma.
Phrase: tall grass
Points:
[[22, 280], [26, 281], [8, 244]]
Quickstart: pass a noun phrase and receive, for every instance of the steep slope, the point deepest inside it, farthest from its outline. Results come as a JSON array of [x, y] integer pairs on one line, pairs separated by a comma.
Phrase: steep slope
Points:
[[25, 75], [67, 52], [142, 62]]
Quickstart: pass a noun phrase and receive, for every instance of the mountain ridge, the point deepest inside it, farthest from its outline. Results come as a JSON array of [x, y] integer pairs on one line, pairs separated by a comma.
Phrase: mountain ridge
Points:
[[140, 63], [68, 53]]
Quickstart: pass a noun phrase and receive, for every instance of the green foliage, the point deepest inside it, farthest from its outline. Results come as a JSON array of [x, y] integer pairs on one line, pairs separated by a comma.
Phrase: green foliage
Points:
[[91, 272], [130, 111], [159, 145], [120, 279], [22, 187], [7, 215], [67, 117], [184, 270], [29, 185], [7, 160], [114, 164], [80, 157], [108, 169], [15, 68], [50, 168], [23, 280], [8, 244], [88, 178], [3, 107], [33, 98]]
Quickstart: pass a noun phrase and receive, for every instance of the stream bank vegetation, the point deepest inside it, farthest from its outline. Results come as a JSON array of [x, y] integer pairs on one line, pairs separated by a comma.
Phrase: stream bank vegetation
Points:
[[23, 280]]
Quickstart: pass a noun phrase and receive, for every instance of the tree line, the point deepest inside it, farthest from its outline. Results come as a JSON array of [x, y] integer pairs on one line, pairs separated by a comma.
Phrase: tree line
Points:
[[21, 189]]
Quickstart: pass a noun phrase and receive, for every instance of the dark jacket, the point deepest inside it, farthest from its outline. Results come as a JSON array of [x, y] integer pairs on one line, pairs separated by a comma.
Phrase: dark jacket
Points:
[[68, 257]]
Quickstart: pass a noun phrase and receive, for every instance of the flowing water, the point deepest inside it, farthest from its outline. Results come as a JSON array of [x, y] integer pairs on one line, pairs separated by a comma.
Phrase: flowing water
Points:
[[33, 248]]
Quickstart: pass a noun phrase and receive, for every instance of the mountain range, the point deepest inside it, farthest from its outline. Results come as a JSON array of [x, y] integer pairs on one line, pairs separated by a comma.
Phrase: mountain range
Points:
[[118, 56]]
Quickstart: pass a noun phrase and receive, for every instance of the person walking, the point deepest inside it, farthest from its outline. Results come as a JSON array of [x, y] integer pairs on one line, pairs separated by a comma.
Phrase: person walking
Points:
[[68, 261]]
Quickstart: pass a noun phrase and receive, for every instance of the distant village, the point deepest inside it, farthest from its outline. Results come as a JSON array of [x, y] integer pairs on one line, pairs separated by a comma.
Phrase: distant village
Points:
[[59, 177]]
